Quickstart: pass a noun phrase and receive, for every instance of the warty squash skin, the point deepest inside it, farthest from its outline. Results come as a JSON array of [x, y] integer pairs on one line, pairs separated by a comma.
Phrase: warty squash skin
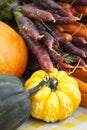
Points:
[[15, 105], [57, 99]]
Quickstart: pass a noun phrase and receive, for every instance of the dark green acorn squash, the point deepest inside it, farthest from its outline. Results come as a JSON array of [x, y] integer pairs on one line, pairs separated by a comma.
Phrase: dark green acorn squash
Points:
[[15, 105]]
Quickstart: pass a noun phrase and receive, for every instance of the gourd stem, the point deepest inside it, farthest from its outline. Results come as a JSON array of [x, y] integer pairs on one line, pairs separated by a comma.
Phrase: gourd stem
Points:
[[53, 83], [37, 87]]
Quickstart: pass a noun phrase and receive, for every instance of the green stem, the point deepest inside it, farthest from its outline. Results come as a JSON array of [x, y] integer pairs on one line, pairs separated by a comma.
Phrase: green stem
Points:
[[17, 14], [39, 86], [6, 6], [5, 9], [53, 83]]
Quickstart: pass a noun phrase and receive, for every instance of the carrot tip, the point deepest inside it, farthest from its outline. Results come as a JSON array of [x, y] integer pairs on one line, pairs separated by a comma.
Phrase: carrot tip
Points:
[[77, 18], [51, 70], [85, 56], [85, 42], [53, 20], [68, 66], [40, 37]]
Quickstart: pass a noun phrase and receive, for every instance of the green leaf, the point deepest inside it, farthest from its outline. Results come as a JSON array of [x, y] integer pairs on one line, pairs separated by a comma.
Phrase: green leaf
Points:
[[68, 59], [5, 8]]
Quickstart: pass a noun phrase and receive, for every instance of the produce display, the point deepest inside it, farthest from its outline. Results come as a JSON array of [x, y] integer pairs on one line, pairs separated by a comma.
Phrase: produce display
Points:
[[53, 28], [46, 43]]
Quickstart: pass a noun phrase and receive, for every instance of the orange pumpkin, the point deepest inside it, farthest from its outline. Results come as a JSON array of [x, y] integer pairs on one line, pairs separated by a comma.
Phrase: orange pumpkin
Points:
[[13, 51]]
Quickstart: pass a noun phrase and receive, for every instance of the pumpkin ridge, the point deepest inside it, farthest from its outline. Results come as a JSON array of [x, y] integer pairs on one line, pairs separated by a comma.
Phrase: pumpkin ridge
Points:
[[43, 110], [45, 105]]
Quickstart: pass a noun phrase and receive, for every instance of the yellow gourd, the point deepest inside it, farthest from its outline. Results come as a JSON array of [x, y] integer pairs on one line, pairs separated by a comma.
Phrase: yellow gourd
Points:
[[57, 99]]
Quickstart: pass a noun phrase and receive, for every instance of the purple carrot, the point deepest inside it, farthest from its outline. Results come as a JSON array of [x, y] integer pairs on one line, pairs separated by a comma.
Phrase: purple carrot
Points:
[[63, 20], [52, 5], [29, 28], [68, 1], [40, 52], [75, 2], [84, 48], [55, 33], [48, 40], [78, 40], [77, 60], [69, 47], [81, 2], [36, 13], [57, 59]]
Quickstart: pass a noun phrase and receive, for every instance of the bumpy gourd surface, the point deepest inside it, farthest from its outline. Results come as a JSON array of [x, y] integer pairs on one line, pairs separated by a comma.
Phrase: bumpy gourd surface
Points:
[[49, 105]]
